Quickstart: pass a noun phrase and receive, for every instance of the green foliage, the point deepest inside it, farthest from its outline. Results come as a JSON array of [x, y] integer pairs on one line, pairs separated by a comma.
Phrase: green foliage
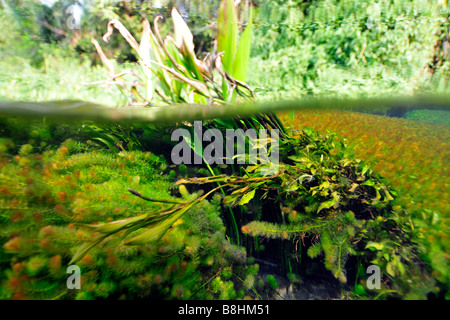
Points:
[[47, 198], [346, 48], [338, 207], [172, 70], [271, 281], [419, 177]]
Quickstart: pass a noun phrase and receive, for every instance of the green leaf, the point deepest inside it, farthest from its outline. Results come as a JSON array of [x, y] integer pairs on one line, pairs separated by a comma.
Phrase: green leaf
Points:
[[324, 185], [369, 183], [230, 199], [154, 232], [374, 246], [247, 197], [242, 56], [145, 50], [227, 33], [116, 226], [314, 251], [83, 110]]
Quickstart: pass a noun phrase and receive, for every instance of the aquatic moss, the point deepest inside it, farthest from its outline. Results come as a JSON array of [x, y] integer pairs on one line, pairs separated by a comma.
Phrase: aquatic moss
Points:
[[45, 198]]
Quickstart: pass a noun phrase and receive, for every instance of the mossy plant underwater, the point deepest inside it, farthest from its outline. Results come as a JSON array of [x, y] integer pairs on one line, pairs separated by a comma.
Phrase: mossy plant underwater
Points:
[[329, 201], [332, 203]]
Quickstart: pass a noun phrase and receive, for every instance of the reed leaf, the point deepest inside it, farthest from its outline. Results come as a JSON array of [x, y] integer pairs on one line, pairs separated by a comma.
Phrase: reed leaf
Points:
[[227, 33], [242, 56], [145, 49]]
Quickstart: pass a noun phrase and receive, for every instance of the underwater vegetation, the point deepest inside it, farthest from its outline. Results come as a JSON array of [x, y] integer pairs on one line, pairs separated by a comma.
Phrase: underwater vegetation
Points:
[[424, 115], [354, 191], [413, 157], [333, 207], [47, 195]]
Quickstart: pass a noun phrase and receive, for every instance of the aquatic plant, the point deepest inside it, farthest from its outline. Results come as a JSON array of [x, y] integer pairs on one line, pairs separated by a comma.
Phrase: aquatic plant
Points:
[[348, 49], [45, 197], [172, 70], [333, 204], [411, 156]]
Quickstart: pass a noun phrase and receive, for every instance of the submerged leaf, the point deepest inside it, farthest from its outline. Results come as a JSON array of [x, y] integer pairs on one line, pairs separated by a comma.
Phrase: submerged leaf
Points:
[[114, 23], [353, 188], [369, 183], [247, 197], [374, 246]]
